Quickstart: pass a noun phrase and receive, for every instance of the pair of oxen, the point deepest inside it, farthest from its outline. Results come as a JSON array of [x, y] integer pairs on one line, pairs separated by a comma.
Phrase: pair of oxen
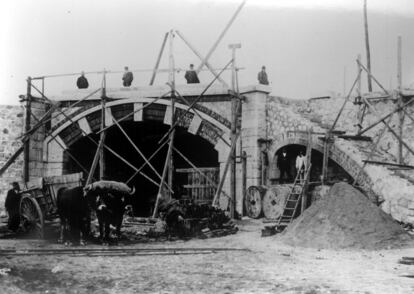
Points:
[[107, 198]]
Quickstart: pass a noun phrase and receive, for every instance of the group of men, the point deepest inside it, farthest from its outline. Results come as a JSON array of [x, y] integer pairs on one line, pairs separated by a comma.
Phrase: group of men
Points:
[[283, 164], [190, 76], [127, 78]]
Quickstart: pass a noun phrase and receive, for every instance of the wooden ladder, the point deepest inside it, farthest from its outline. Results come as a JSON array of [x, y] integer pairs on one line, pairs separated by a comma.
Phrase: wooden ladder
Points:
[[293, 200]]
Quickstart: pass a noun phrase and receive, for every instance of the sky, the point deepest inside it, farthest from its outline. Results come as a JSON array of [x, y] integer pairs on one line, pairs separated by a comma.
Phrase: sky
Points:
[[309, 47]]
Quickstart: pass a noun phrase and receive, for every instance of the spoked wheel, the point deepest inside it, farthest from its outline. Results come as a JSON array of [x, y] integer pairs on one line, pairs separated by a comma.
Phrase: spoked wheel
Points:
[[31, 217]]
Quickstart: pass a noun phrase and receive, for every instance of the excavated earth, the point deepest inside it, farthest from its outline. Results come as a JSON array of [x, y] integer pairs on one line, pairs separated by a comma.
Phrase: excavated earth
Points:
[[345, 218]]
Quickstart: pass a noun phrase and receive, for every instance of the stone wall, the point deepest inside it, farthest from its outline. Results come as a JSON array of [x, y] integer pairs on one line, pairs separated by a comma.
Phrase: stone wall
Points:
[[11, 126]]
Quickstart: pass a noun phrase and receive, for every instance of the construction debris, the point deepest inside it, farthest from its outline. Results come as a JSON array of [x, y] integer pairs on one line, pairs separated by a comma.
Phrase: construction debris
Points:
[[182, 220], [345, 218]]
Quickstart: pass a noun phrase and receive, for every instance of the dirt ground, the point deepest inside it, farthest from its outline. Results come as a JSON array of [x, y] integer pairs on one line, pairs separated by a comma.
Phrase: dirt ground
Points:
[[269, 267]]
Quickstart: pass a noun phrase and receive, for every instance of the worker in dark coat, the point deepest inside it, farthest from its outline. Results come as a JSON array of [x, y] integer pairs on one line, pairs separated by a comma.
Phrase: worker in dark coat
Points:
[[191, 76], [262, 76], [82, 82], [12, 205], [127, 78], [283, 166]]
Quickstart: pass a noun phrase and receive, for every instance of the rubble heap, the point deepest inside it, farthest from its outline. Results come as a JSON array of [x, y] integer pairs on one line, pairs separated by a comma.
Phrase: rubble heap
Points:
[[345, 219]]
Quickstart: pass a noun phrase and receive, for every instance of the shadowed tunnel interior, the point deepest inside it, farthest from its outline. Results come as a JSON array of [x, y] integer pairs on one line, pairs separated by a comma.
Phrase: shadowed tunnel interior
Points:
[[335, 171], [145, 136]]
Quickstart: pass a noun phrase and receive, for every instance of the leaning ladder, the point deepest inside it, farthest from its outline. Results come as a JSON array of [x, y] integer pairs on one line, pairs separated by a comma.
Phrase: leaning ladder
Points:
[[293, 199]]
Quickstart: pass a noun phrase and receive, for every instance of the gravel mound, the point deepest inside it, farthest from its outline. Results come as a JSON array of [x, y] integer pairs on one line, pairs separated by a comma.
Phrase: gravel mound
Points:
[[345, 219]]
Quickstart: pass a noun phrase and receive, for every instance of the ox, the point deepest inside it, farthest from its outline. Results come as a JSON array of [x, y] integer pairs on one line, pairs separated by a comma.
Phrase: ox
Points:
[[112, 199], [74, 213]]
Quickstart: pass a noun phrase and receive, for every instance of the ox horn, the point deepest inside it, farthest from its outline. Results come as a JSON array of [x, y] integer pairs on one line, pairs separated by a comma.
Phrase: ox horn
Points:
[[133, 191]]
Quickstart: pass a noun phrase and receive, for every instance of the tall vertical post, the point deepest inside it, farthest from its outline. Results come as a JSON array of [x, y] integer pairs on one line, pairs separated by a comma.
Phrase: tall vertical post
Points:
[[234, 102], [172, 81], [26, 147], [102, 136], [361, 106], [400, 100], [367, 45]]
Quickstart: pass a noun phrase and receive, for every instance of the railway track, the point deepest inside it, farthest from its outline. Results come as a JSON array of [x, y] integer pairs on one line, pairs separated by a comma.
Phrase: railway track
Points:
[[116, 251]]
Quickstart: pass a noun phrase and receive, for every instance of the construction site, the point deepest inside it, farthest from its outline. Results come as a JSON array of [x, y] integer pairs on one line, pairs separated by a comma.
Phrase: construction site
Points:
[[225, 188]]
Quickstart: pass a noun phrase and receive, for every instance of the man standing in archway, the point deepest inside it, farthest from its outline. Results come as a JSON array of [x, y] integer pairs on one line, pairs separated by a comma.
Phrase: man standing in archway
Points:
[[283, 166]]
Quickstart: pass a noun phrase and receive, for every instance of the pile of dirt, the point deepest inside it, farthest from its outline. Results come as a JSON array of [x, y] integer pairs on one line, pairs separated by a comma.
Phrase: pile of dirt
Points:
[[345, 218]]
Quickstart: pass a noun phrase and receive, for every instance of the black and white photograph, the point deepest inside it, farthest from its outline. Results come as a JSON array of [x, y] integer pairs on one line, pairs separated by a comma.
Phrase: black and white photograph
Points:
[[207, 146]]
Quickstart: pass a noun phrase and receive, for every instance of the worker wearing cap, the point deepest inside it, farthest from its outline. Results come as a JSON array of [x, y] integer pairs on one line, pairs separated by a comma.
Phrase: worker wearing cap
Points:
[[191, 76], [262, 76], [127, 78], [82, 82]]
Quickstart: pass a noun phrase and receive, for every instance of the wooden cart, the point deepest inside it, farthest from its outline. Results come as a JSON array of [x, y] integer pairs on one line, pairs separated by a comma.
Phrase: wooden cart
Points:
[[38, 201]]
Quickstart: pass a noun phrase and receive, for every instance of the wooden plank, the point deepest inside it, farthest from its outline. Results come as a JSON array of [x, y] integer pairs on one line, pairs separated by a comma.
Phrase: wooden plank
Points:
[[389, 164]]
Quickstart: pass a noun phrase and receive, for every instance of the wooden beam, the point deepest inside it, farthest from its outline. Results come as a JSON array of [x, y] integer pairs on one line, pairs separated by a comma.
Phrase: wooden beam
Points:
[[400, 101], [164, 173], [27, 127], [194, 102], [372, 76], [389, 164], [367, 45], [139, 151], [145, 164], [95, 159], [385, 116], [373, 147], [226, 167], [157, 63], [220, 36], [102, 136], [389, 128], [11, 160], [195, 51]]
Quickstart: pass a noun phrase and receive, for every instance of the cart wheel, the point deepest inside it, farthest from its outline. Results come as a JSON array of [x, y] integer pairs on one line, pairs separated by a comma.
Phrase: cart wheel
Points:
[[31, 217]]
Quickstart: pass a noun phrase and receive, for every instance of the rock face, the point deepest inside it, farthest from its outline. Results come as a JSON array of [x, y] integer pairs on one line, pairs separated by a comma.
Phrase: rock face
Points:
[[345, 218], [11, 126]]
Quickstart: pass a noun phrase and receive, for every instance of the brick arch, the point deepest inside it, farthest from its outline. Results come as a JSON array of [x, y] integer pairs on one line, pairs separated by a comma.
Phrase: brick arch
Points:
[[84, 121], [337, 155]]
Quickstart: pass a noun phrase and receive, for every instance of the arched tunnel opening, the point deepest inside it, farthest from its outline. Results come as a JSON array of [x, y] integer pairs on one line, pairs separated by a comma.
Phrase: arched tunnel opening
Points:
[[146, 136], [334, 173]]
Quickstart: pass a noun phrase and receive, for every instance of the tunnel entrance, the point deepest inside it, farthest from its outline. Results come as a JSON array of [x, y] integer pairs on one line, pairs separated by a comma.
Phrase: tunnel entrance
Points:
[[335, 171], [145, 135]]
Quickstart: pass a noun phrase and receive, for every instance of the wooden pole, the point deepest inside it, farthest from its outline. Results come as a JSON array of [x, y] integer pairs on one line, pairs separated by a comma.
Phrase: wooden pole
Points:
[[194, 103], [149, 159], [371, 153], [102, 136], [367, 45], [95, 159], [400, 100], [308, 165], [389, 127], [221, 36], [27, 127], [157, 63], [380, 120], [208, 65], [361, 106], [244, 174], [164, 173], [234, 107], [172, 82], [226, 168]]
